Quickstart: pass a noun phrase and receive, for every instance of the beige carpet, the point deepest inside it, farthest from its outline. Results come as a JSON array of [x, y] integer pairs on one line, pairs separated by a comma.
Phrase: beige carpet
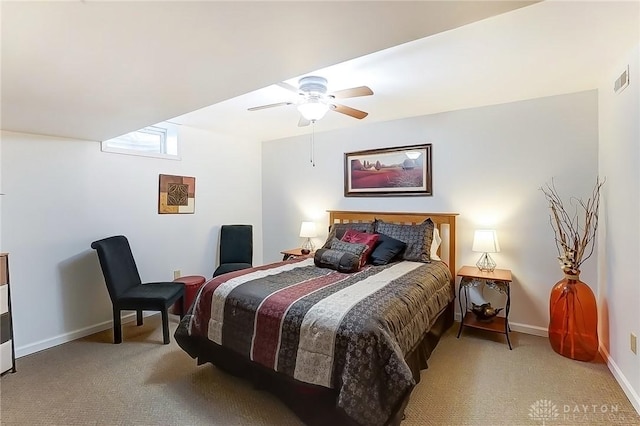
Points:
[[474, 380]]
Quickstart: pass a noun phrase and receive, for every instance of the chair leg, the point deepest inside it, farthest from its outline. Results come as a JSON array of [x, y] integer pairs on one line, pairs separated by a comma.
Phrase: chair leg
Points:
[[139, 317], [165, 326], [117, 326]]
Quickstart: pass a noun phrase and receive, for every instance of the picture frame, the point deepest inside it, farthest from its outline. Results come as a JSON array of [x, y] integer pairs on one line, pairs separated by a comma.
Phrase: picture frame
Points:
[[389, 172], [176, 194]]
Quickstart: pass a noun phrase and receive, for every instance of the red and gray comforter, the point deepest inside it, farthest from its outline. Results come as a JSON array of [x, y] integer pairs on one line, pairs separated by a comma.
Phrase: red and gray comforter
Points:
[[349, 332]]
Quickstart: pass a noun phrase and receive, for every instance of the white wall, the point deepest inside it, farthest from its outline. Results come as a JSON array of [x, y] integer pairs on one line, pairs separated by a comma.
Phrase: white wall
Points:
[[619, 269], [488, 164], [63, 194]]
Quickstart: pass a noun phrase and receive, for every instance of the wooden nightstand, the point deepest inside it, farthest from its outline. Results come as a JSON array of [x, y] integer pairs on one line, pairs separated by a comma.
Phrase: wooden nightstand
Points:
[[498, 280], [292, 254]]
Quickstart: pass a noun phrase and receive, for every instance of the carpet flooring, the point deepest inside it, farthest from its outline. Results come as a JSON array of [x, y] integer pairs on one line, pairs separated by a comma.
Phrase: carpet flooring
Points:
[[474, 380]]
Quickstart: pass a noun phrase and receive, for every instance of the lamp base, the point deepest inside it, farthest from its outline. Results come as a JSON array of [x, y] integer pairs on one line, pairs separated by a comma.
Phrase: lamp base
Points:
[[307, 246], [486, 263]]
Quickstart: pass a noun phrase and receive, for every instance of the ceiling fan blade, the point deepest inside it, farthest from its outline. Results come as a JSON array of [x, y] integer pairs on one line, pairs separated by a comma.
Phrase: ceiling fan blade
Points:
[[355, 113], [270, 106], [354, 92], [287, 86], [303, 122]]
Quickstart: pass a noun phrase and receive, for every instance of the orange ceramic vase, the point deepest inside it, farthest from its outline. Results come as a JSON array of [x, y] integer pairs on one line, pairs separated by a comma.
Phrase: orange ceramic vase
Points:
[[573, 323]]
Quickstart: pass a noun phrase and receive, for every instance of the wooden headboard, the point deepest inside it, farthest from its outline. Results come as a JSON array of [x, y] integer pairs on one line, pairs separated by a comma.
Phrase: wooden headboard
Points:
[[446, 223]]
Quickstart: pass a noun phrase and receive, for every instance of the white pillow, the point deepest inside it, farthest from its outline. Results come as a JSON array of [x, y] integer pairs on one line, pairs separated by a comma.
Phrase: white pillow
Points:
[[435, 243]]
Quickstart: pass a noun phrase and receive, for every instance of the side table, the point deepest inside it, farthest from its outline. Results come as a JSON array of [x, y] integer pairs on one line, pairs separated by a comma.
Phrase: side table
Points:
[[293, 253], [498, 280], [192, 284]]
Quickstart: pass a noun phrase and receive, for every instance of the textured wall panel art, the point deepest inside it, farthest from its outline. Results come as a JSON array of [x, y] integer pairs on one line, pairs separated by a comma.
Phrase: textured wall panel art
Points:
[[177, 194]]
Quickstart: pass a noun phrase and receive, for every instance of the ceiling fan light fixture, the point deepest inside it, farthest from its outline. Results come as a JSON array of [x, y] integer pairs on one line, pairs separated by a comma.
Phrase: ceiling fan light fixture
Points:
[[313, 109], [314, 100]]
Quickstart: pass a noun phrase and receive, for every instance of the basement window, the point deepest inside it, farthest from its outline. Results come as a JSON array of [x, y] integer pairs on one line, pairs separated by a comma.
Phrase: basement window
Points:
[[159, 140]]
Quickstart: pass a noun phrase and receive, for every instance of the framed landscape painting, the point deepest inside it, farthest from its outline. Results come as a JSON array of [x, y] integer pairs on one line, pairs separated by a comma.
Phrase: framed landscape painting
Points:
[[397, 171]]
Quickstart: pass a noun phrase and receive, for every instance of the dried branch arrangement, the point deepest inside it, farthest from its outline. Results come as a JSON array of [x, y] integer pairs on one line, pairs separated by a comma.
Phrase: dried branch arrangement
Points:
[[575, 230]]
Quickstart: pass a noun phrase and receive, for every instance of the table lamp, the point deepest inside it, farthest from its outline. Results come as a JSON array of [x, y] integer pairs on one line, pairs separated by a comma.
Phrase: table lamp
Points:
[[485, 241], [308, 231]]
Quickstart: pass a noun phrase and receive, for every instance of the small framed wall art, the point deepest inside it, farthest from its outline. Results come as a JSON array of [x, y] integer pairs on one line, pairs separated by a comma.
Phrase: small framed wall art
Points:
[[397, 171], [177, 195]]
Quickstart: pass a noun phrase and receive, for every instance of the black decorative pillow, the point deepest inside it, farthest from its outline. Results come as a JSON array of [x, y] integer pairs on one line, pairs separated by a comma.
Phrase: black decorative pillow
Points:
[[386, 250], [338, 229], [340, 261], [417, 237]]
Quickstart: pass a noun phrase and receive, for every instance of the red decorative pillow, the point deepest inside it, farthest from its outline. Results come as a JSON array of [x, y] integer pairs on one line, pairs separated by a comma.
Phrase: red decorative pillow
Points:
[[370, 240]]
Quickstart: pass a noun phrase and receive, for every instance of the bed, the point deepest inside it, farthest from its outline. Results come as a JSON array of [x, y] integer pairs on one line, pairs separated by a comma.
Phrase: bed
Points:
[[336, 347]]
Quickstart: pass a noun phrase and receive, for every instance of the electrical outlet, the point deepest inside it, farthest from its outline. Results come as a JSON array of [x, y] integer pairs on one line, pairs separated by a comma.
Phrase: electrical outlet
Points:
[[177, 274], [634, 344]]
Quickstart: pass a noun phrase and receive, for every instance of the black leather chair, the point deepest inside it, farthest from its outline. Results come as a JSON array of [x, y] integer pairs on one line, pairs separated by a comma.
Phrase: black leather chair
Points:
[[236, 248], [127, 291]]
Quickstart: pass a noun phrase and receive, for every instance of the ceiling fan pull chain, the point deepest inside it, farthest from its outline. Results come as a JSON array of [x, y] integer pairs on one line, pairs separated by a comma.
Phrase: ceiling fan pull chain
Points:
[[313, 137]]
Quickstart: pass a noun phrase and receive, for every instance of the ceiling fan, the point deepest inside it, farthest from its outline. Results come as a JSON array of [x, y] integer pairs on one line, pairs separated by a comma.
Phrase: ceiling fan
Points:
[[314, 101]]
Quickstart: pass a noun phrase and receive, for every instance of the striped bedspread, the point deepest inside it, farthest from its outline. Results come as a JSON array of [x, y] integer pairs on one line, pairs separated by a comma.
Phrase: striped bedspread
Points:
[[349, 332]]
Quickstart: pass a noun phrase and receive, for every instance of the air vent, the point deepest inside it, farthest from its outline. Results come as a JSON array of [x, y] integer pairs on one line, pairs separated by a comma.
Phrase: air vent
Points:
[[622, 81]]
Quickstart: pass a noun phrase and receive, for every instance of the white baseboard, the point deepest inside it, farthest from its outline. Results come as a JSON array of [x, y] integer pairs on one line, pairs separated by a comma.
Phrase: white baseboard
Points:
[[68, 337], [529, 329], [520, 328], [633, 396]]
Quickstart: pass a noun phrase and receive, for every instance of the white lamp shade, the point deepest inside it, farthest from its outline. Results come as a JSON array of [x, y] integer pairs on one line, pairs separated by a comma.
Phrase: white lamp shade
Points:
[[486, 241], [313, 109], [308, 230]]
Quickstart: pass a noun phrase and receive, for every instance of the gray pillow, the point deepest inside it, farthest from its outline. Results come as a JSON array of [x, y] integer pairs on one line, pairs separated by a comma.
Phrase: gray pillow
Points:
[[353, 248], [337, 230], [417, 238], [337, 260]]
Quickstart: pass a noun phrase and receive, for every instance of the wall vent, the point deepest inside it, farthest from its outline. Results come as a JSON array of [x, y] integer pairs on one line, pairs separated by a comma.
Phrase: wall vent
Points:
[[622, 81]]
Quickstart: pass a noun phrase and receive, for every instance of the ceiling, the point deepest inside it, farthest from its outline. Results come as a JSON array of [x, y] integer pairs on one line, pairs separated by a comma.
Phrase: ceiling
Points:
[[95, 70]]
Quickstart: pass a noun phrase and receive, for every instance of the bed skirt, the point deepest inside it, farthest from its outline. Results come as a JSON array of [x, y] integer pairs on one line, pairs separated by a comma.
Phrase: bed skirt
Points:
[[314, 405]]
